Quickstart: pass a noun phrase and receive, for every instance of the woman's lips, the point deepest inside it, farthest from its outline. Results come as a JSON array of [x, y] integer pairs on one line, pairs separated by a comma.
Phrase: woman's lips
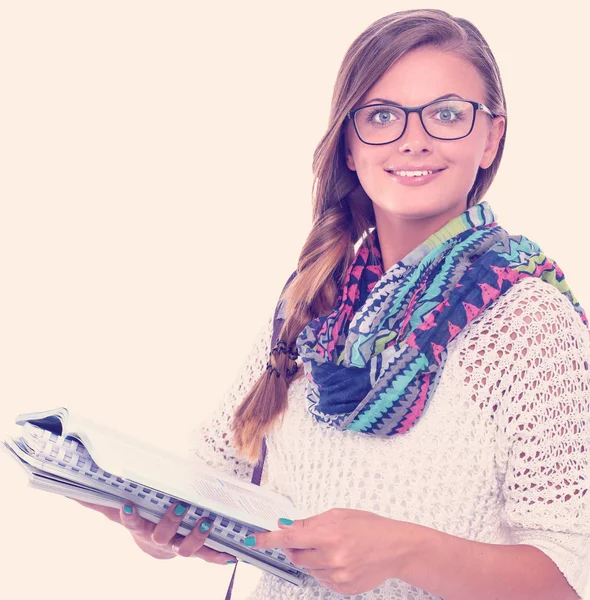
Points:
[[414, 180]]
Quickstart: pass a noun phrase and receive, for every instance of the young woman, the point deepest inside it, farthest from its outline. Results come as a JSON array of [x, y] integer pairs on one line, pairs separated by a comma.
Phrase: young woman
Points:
[[427, 404]]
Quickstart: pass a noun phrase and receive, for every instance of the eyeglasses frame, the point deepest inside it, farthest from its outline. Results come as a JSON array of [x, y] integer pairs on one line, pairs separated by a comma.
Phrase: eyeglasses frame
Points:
[[418, 109]]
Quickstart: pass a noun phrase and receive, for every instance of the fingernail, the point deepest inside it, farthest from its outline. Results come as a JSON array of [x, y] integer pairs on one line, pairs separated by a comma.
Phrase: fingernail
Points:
[[285, 522], [127, 509], [179, 509], [250, 540], [204, 527], [231, 562]]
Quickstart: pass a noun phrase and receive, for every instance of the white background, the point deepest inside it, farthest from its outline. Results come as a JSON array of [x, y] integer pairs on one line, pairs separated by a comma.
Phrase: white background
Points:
[[155, 194]]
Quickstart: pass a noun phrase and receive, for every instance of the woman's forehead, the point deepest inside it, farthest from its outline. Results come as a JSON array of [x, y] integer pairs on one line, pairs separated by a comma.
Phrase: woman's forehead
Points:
[[424, 74]]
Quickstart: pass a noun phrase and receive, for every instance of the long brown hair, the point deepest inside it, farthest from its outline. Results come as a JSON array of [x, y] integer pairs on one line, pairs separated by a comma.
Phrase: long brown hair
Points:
[[342, 211]]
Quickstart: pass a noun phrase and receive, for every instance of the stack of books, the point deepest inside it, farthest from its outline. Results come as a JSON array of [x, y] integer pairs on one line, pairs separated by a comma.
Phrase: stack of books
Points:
[[66, 454]]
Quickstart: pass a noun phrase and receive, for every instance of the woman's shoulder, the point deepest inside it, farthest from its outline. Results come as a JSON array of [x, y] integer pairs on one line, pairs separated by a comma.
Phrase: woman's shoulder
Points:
[[530, 343], [531, 308], [532, 328]]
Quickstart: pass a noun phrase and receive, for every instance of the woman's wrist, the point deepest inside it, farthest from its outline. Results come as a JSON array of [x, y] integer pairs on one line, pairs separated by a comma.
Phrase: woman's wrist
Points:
[[406, 550]]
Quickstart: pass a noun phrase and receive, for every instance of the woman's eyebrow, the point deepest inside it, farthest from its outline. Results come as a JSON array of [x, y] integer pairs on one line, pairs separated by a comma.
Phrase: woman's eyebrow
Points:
[[386, 101]]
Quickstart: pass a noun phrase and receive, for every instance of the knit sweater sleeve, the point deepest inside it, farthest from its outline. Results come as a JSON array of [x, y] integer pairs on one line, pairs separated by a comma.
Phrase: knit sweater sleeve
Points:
[[543, 424], [210, 441]]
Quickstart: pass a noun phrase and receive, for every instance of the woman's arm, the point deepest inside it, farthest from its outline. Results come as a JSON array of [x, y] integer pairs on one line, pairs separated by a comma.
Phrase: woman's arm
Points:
[[459, 569], [533, 358]]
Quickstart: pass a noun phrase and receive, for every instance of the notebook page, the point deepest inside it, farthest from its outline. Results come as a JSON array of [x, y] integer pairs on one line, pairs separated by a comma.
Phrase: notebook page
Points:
[[241, 503]]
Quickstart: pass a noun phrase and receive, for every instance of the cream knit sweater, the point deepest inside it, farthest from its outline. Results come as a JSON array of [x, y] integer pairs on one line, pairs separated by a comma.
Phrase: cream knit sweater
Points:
[[500, 455]]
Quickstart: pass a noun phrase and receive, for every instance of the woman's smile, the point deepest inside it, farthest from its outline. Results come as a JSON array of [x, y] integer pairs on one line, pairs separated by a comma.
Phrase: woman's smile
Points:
[[415, 177]]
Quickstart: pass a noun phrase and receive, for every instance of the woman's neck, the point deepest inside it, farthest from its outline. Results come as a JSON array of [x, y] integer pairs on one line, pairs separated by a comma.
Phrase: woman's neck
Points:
[[398, 236]]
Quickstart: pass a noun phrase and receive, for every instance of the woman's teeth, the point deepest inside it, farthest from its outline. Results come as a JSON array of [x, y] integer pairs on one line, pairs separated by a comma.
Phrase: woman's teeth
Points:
[[411, 173]]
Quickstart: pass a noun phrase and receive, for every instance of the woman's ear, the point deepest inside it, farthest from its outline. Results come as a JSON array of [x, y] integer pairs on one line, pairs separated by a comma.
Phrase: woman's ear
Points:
[[349, 159], [348, 152], [494, 136]]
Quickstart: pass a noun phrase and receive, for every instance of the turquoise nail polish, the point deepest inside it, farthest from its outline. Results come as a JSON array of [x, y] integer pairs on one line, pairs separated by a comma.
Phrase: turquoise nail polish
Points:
[[250, 541], [179, 509], [204, 527], [127, 509], [285, 522], [231, 562]]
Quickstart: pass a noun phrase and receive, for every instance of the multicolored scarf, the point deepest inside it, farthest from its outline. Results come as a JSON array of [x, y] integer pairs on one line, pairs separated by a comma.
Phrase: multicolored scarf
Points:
[[373, 363]]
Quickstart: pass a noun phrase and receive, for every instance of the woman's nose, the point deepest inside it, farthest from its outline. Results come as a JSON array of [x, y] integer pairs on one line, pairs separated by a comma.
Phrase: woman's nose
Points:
[[415, 138]]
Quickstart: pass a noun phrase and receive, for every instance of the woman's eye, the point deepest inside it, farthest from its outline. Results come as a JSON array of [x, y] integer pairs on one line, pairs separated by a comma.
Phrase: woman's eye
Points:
[[447, 115], [382, 117]]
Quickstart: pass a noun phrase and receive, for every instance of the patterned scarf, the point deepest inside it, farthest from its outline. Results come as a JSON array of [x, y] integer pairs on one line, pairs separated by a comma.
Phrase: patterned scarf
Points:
[[373, 363]]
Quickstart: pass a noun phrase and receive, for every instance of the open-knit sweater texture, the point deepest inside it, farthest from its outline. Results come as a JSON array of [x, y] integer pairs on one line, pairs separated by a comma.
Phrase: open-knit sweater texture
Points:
[[500, 455]]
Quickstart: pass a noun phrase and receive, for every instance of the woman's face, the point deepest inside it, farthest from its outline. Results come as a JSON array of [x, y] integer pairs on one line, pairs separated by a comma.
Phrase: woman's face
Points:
[[419, 77]]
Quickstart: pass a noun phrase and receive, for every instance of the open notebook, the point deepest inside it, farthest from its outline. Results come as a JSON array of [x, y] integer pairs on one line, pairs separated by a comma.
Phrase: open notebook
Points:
[[68, 455]]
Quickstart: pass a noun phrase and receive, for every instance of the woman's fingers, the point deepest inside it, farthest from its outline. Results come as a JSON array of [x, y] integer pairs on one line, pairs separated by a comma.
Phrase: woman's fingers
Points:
[[167, 527], [161, 552], [193, 545], [137, 526], [162, 540]]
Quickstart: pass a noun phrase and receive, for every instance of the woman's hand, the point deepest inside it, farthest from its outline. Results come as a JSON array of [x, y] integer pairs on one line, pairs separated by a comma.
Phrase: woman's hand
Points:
[[161, 540], [348, 551]]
